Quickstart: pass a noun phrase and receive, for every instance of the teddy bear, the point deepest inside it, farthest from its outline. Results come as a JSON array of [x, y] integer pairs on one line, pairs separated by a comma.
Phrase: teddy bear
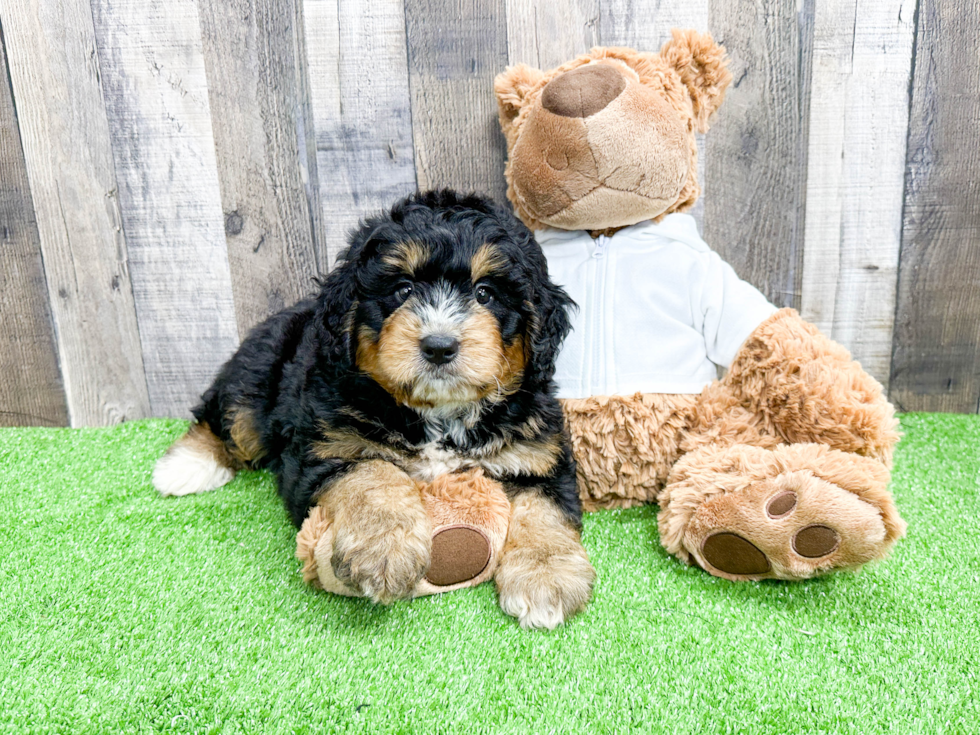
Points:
[[778, 469]]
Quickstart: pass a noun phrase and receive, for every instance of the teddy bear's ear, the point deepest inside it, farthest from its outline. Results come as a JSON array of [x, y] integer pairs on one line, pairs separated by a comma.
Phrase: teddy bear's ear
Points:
[[703, 68], [511, 88]]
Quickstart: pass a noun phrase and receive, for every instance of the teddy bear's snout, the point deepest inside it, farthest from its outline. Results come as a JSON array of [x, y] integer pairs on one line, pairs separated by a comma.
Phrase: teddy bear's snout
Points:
[[583, 91]]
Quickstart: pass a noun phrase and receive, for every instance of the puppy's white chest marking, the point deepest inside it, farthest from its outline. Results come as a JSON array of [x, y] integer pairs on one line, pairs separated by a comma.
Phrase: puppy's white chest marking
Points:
[[434, 460]]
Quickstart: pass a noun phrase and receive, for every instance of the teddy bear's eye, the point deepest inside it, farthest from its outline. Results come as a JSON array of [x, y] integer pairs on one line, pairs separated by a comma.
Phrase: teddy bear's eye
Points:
[[483, 295]]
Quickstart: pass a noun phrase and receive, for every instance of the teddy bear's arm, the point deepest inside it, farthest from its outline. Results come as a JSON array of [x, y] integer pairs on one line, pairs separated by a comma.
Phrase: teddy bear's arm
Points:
[[730, 309], [806, 388]]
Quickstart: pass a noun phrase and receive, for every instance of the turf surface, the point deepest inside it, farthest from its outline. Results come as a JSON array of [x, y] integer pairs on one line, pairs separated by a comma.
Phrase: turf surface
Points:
[[121, 611]]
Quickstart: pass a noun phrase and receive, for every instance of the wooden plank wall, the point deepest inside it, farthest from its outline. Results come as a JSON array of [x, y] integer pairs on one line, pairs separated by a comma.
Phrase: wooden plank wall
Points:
[[56, 80], [30, 384], [173, 171], [936, 354]]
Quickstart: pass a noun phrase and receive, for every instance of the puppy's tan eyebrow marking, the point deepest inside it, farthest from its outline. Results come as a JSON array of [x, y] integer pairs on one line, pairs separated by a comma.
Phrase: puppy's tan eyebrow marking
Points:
[[487, 261], [408, 257]]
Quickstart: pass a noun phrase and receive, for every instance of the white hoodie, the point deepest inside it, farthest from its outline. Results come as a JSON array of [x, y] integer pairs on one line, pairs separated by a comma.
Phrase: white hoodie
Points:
[[658, 310]]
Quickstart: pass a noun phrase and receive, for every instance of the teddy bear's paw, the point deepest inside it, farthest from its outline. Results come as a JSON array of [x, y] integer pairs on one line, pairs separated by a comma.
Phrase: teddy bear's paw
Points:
[[545, 584], [793, 526], [384, 556]]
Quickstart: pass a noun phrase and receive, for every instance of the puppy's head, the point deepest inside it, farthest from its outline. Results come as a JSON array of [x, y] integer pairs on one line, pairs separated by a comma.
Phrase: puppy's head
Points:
[[445, 302]]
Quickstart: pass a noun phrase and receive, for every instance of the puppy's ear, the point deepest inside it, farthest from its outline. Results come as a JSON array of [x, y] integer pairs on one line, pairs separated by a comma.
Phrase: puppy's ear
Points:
[[511, 87], [547, 328], [336, 307], [702, 66]]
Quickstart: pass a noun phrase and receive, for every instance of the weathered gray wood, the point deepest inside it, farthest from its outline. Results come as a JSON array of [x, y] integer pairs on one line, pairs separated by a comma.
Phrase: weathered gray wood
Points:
[[645, 26], [936, 358], [756, 151], [547, 33], [801, 173], [359, 89], [55, 76], [454, 52], [31, 393], [273, 229], [160, 123], [856, 171]]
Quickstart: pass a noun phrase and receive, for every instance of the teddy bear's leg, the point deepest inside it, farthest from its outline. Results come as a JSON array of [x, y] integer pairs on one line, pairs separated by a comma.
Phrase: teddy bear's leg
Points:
[[793, 512], [624, 446], [373, 526], [803, 387], [544, 576]]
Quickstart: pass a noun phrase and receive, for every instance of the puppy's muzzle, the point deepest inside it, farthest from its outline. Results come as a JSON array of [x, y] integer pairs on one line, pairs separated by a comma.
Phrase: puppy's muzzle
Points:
[[439, 349]]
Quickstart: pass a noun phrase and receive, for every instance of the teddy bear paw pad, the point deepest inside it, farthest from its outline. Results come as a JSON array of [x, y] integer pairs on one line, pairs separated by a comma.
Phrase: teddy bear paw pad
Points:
[[813, 542], [459, 553], [731, 553], [793, 526]]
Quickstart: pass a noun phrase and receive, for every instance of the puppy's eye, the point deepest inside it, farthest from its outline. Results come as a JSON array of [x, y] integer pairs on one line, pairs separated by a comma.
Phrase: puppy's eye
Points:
[[483, 295], [404, 291]]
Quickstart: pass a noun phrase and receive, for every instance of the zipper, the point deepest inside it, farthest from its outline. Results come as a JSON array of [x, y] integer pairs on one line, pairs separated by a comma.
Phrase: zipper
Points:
[[600, 246], [598, 313]]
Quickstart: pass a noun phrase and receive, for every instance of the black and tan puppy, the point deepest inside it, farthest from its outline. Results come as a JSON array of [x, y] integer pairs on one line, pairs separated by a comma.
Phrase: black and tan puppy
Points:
[[429, 350]]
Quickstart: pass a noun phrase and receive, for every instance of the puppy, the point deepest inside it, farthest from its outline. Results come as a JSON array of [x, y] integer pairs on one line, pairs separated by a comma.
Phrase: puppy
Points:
[[429, 350]]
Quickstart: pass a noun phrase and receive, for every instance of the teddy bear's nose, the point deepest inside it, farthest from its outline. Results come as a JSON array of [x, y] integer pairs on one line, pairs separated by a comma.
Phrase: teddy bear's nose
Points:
[[583, 91]]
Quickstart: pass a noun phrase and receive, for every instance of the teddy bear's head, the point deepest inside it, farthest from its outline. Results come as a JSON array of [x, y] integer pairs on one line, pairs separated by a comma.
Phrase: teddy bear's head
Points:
[[607, 140]]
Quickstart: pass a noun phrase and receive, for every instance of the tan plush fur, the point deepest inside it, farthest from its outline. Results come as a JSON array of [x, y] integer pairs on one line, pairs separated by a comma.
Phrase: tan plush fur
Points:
[[793, 413], [805, 388], [618, 466], [544, 575]]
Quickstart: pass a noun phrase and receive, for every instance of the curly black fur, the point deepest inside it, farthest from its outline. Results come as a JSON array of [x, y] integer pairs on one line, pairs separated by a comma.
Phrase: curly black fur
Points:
[[296, 374]]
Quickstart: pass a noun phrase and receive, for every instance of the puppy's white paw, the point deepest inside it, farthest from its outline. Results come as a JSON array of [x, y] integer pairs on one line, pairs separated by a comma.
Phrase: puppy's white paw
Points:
[[544, 590], [186, 469]]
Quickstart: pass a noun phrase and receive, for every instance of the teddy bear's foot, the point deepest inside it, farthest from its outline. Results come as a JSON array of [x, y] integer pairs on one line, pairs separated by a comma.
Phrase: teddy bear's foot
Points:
[[467, 516], [469, 513], [791, 513], [792, 527]]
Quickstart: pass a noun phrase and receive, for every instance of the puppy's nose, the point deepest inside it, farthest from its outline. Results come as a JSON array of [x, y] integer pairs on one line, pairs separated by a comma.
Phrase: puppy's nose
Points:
[[439, 348], [583, 91]]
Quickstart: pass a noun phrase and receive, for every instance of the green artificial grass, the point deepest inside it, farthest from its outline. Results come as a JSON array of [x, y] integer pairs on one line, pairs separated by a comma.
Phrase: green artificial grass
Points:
[[121, 611]]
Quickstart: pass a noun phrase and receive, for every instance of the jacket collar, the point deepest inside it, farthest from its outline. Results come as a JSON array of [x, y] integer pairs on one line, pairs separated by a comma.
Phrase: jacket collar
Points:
[[672, 227]]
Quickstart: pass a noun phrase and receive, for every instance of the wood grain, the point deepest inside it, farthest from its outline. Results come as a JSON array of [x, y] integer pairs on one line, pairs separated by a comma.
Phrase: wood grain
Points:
[[454, 52], [255, 62], [171, 172], [358, 79], [645, 26], [936, 357], [546, 34], [56, 79], [31, 392], [160, 123], [856, 171], [756, 151]]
